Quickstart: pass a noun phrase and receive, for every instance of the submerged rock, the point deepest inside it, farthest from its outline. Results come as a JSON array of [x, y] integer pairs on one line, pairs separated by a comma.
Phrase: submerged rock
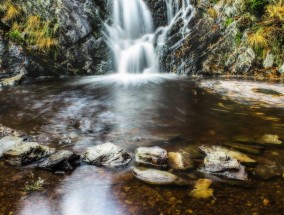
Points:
[[152, 156], [265, 139], [6, 143], [238, 183], [241, 157], [106, 154], [268, 169], [61, 160], [180, 161], [224, 162], [194, 152], [201, 189], [266, 91], [6, 131], [267, 172], [27, 152], [269, 139], [255, 150], [158, 177]]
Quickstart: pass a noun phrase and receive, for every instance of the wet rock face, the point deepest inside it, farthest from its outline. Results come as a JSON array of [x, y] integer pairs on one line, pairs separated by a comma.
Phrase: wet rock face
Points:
[[61, 160], [75, 25], [152, 156], [107, 154], [81, 48], [27, 152], [216, 44], [81, 25], [241, 60], [13, 63], [159, 12], [269, 60]]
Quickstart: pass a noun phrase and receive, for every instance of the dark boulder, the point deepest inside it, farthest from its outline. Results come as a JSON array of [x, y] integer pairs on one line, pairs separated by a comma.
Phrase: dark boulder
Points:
[[61, 160], [27, 152]]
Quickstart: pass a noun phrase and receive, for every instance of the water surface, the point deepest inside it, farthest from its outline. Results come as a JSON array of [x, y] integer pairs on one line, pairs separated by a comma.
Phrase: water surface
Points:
[[165, 110]]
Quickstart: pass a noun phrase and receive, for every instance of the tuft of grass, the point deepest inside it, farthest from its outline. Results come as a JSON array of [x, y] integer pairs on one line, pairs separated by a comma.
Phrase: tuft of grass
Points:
[[39, 34], [46, 43], [34, 185], [258, 42], [11, 11], [15, 32], [212, 13], [275, 12]]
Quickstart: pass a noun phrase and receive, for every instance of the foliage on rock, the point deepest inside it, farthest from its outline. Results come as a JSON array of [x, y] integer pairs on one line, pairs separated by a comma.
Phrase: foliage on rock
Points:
[[32, 31], [258, 24]]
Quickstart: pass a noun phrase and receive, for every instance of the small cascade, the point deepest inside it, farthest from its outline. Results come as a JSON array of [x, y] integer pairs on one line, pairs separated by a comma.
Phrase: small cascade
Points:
[[178, 12], [179, 15], [131, 37]]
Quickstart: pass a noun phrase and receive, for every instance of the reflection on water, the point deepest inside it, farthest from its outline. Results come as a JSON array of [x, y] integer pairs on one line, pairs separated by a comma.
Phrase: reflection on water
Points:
[[165, 110], [86, 191]]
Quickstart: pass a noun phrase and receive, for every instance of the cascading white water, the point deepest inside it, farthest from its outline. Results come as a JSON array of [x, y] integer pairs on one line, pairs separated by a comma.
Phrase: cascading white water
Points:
[[177, 11], [131, 36]]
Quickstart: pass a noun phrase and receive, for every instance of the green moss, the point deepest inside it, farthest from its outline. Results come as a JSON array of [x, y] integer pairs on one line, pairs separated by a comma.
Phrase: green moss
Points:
[[15, 35], [214, 1], [238, 38], [256, 7], [228, 22]]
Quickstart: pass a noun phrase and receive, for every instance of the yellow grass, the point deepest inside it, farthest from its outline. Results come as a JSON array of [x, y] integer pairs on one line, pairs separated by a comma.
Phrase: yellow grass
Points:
[[46, 43], [258, 41], [33, 22], [212, 13], [11, 12], [40, 33], [275, 12]]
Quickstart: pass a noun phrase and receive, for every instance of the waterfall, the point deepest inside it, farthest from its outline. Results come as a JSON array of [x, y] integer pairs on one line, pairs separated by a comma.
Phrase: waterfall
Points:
[[131, 37], [178, 12], [172, 37]]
